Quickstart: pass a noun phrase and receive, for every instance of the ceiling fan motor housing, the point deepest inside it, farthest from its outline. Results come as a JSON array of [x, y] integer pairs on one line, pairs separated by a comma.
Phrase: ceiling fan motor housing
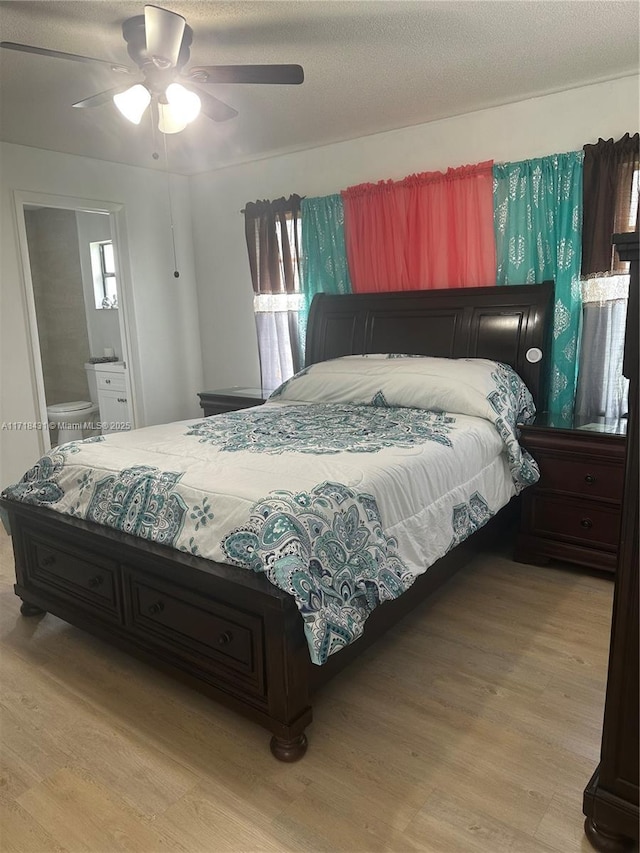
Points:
[[133, 32]]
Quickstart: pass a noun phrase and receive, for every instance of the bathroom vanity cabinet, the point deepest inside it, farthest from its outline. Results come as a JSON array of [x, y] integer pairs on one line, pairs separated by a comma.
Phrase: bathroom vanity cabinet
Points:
[[112, 397]]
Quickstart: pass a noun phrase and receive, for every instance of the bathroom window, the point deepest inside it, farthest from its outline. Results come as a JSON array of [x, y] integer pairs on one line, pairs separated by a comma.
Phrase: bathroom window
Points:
[[103, 267]]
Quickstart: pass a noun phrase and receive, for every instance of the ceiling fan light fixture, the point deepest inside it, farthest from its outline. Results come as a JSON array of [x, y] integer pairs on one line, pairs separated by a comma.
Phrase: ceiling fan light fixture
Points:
[[133, 102], [185, 105], [168, 121]]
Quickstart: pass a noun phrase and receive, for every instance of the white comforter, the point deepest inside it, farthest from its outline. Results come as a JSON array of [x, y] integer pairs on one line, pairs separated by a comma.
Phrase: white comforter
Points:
[[340, 503]]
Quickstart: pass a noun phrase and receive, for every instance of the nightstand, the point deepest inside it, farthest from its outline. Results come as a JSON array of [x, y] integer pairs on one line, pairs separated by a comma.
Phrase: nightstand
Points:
[[231, 399], [573, 512]]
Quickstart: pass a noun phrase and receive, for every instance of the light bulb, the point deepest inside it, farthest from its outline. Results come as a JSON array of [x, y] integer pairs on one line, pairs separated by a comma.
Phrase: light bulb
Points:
[[168, 121], [133, 102], [185, 105]]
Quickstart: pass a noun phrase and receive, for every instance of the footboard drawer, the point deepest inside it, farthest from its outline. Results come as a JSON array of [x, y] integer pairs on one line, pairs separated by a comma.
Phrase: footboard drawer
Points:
[[64, 571], [218, 638]]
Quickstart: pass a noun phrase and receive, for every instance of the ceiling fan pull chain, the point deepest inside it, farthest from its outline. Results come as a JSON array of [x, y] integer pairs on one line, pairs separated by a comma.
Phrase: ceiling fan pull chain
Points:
[[176, 273]]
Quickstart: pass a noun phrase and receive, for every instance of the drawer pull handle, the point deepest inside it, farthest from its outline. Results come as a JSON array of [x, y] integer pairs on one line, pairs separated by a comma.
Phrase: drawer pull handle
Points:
[[95, 581], [586, 523], [157, 607], [48, 561], [590, 478], [225, 638], [107, 382], [122, 399]]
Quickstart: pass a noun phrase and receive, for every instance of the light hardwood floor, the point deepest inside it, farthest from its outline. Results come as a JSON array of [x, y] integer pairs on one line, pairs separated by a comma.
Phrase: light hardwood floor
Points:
[[496, 686]]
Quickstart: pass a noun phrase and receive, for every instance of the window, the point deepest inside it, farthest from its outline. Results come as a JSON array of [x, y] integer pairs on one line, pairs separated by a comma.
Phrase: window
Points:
[[602, 389], [277, 314], [103, 267], [273, 232]]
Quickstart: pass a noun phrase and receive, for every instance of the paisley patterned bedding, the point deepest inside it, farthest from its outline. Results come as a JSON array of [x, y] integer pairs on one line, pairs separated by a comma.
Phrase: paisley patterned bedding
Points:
[[342, 489]]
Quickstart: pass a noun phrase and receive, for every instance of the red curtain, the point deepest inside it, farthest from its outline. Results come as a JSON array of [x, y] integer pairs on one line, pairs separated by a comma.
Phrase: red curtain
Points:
[[434, 229]]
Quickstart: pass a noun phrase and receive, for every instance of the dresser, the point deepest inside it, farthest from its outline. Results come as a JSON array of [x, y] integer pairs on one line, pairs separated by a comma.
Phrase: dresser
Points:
[[231, 399], [573, 512], [612, 796]]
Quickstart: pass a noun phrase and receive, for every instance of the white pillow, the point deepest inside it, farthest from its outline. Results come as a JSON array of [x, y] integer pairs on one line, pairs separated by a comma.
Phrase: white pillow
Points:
[[467, 386]]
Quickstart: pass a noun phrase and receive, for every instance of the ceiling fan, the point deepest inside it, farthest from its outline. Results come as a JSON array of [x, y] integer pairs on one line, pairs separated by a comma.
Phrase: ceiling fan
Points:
[[159, 42]]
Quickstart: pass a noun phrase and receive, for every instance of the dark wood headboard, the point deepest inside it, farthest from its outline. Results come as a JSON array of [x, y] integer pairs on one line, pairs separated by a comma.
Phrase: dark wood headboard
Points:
[[500, 323]]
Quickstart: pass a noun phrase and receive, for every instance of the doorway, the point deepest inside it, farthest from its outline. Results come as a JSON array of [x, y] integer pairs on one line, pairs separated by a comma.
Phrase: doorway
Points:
[[75, 280]]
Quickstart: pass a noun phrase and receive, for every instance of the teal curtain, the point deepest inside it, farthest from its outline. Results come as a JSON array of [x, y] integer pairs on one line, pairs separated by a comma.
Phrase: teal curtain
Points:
[[324, 258], [538, 227]]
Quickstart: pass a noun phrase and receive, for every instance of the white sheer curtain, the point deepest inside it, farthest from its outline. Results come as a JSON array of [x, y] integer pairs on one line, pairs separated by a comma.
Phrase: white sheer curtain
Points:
[[602, 389], [278, 338]]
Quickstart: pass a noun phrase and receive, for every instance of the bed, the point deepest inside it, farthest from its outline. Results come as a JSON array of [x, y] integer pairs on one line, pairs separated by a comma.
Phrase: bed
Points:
[[232, 633]]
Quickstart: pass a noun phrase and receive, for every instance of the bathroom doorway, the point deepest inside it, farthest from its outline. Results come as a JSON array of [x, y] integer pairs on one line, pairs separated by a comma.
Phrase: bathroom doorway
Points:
[[75, 278]]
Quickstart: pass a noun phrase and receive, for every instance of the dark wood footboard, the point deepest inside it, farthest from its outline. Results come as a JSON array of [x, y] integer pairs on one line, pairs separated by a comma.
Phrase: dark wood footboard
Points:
[[227, 632], [223, 630]]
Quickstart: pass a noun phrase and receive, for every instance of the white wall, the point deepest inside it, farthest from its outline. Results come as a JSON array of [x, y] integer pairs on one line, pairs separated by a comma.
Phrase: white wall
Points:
[[168, 312], [533, 128], [168, 369]]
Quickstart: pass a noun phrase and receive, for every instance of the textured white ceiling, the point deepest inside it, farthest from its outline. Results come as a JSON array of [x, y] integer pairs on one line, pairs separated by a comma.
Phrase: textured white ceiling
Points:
[[369, 67]]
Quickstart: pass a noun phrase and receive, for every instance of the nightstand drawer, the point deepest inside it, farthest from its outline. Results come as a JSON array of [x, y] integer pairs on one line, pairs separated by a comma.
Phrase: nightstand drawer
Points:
[[581, 521], [590, 479]]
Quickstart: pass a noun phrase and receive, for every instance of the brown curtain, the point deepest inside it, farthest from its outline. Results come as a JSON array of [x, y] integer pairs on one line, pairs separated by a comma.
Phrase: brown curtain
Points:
[[263, 221], [608, 180], [274, 272]]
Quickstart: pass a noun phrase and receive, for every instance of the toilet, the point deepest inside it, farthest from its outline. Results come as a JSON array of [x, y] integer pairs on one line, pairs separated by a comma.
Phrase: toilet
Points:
[[72, 419]]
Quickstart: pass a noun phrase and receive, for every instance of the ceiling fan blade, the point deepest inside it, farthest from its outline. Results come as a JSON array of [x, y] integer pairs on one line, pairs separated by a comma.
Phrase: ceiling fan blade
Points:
[[57, 54], [284, 74], [100, 98], [210, 106], [164, 31]]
